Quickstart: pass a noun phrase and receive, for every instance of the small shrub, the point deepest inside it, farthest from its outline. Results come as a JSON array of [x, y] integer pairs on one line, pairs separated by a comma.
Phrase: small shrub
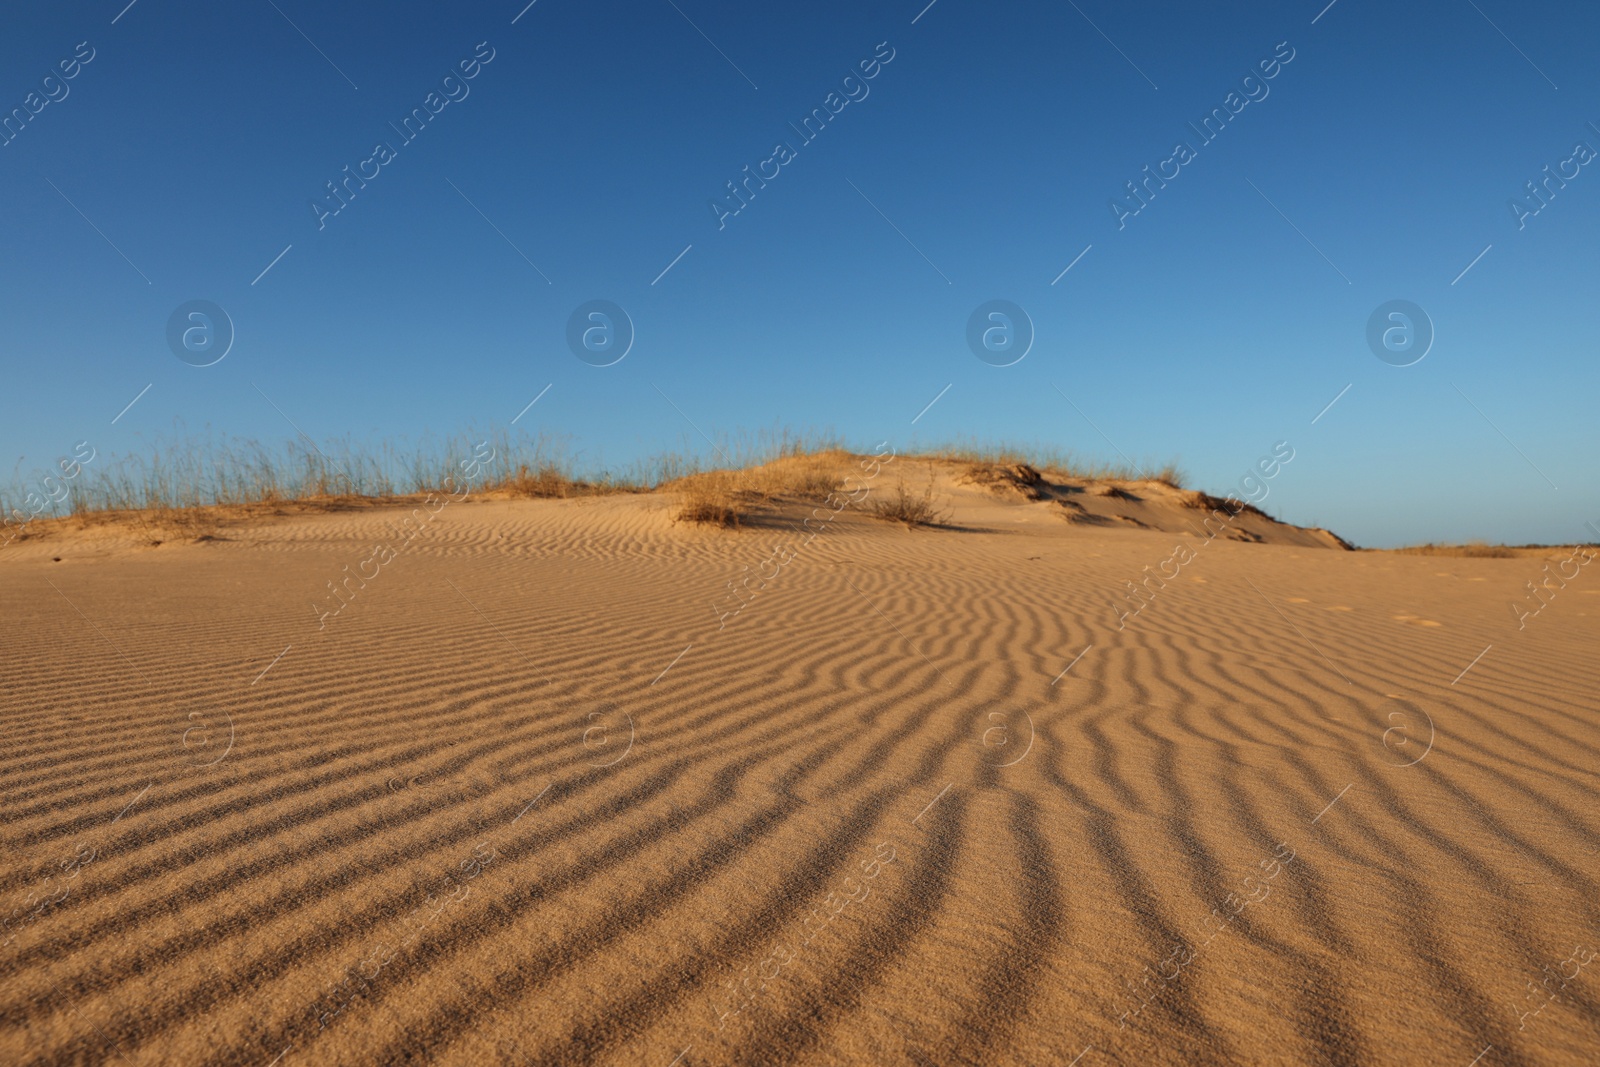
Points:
[[907, 507]]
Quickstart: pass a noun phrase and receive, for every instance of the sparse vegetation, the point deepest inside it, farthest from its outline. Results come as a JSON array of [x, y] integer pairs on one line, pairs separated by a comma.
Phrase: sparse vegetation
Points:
[[545, 481], [200, 470], [708, 499], [1170, 475], [1471, 550], [1202, 501], [724, 497], [1024, 478], [1231, 504], [194, 486], [1055, 462], [904, 506]]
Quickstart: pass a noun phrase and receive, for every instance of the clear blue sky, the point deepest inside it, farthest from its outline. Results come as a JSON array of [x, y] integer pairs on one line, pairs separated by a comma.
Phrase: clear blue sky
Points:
[[1213, 324]]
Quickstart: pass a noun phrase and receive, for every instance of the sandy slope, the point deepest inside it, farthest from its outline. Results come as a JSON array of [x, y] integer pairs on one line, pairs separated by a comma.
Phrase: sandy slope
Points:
[[527, 801]]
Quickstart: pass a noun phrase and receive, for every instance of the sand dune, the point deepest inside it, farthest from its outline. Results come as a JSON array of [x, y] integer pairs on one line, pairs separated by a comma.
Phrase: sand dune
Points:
[[536, 794]]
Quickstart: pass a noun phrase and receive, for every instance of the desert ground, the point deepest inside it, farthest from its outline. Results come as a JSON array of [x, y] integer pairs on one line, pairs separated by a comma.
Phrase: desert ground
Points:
[[566, 781]]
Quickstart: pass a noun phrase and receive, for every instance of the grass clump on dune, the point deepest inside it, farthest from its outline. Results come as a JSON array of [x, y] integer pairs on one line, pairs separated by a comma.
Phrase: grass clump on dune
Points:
[[721, 497], [708, 499], [1057, 462], [912, 509]]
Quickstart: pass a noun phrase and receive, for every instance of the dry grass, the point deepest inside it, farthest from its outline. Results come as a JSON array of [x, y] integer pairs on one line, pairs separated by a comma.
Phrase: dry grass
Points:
[[809, 476], [1016, 473], [196, 470], [194, 486], [546, 481], [907, 507], [1023, 478], [1055, 462], [725, 497], [709, 499], [1201, 501], [1471, 550], [1170, 475], [1112, 492], [205, 522], [153, 526]]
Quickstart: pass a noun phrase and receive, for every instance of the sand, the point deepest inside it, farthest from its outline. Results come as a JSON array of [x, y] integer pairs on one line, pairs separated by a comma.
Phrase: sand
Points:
[[537, 793]]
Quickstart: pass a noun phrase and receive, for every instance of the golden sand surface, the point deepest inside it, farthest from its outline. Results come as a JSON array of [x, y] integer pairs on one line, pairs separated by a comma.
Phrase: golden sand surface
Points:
[[566, 782]]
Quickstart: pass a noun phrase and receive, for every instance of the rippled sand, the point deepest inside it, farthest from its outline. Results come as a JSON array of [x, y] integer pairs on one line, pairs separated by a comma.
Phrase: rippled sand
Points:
[[526, 798]]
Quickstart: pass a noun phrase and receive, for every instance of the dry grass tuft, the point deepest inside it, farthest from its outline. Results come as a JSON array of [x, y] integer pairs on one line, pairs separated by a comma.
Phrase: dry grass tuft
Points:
[[1171, 476], [1201, 501], [725, 497], [545, 481], [1023, 478], [905, 506], [808, 476], [1053, 462], [708, 499], [1231, 505]]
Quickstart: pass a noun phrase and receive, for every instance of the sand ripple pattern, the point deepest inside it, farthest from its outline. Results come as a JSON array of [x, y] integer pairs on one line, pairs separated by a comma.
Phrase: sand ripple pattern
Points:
[[522, 801]]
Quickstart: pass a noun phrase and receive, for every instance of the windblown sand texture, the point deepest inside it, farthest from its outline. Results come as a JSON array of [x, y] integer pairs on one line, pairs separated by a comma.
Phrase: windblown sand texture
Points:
[[523, 801]]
